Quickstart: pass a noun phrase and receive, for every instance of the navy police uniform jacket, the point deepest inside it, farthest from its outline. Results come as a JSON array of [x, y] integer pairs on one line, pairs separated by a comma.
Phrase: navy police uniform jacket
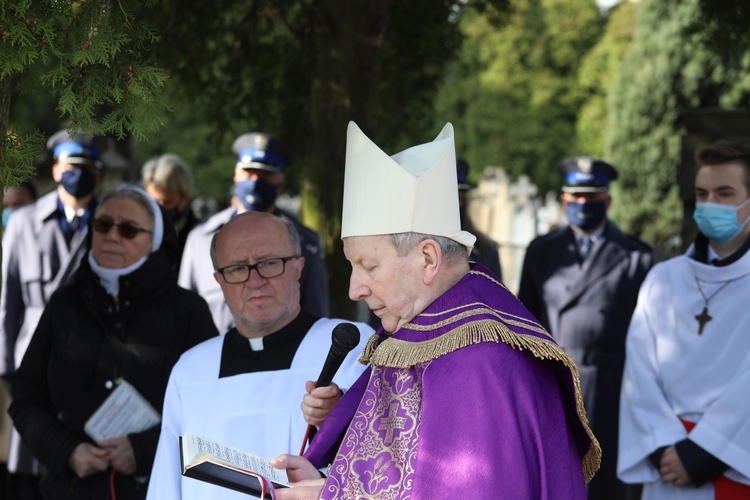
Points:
[[586, 305], [36, 262]]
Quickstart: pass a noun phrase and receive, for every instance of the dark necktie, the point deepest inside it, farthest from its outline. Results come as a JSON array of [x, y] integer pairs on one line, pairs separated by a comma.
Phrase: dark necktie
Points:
[[73, 227], [585, 247]]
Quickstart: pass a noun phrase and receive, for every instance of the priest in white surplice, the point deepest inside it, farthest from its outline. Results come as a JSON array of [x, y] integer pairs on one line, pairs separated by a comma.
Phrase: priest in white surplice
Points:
[[244, 389], [685, 405]]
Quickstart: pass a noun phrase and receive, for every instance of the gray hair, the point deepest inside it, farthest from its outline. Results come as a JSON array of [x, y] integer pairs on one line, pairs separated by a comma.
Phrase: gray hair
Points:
[[129, 193], [291, 231], [453, 251], [169, 172]]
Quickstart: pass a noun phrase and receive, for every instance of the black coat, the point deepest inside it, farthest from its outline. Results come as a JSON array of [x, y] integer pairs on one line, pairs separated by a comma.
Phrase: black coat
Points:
[[84, 341], [586, 306]]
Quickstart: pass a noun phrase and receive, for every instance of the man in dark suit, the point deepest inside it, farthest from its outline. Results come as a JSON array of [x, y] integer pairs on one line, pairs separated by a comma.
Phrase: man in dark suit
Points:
[[582, 282], [42, 247]]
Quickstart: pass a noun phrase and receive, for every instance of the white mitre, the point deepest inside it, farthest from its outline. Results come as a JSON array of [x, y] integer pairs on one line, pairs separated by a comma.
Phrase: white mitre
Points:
[[415, 190]]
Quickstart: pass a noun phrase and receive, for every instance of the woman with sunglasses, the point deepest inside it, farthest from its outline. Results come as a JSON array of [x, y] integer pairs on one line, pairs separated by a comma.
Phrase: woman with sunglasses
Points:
[[122, 318]]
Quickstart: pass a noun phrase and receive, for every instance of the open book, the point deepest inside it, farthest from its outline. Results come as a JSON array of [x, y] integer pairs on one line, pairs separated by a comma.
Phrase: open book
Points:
[[125, 411], [229, 467]]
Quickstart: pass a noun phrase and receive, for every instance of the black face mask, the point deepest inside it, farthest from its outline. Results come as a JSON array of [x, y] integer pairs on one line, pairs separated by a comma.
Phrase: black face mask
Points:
[[587, 215], [78, 182], [175, 214]]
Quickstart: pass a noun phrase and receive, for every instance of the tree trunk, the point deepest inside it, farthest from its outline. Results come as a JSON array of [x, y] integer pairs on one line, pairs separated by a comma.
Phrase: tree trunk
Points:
[[6, 86], [349, 41]]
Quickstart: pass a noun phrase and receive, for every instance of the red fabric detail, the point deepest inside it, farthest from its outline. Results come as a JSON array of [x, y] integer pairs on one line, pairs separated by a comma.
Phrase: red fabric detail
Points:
[[724, 488]]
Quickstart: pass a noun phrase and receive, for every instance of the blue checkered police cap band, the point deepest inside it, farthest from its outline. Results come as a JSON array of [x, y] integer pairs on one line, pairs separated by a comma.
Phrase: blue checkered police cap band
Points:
[[74, 153], [584, 174], [260, 159], [580, 182], [261, 151]]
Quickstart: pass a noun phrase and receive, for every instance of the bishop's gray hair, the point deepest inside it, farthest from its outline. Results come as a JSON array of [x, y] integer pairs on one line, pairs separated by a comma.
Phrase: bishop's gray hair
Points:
[[453, 251]]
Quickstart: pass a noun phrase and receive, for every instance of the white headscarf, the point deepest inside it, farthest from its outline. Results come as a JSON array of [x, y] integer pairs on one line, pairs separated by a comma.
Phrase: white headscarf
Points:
[[110, 278]]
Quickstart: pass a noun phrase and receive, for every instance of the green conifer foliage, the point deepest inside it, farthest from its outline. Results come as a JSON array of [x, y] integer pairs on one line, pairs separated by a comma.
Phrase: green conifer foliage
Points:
[[94, 55]]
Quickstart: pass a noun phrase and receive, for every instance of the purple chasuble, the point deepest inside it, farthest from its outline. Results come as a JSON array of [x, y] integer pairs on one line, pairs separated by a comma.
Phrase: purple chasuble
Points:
[[471, 399]]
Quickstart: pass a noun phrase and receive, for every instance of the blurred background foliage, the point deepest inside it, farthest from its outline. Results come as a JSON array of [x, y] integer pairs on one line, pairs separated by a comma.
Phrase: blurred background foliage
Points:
[[525, 83]]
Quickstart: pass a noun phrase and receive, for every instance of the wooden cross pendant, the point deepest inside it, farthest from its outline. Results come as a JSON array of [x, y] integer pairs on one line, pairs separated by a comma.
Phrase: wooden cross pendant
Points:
[[703, 318]]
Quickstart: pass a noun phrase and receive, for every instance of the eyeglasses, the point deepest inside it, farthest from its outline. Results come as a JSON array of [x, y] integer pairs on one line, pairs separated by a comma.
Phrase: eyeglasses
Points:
[[125, 229], [267, 269]]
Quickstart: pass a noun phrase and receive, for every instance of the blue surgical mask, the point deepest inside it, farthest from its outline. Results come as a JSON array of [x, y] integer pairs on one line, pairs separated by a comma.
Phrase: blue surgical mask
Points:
[[255, 196], [587, 215], [718, 222], [78, 182], [7, 211]]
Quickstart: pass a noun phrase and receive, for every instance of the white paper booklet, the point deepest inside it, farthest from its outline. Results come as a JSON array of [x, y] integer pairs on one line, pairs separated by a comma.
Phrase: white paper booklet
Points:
[[125, 411]]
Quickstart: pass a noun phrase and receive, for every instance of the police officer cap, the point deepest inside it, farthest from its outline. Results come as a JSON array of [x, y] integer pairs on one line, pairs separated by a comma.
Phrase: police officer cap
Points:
[[78, 149], [462, 169], [261, 151], [584, 174]]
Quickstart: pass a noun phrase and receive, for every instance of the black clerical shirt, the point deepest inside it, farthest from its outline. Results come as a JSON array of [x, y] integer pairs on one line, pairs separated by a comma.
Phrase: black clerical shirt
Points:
[[278, 351]]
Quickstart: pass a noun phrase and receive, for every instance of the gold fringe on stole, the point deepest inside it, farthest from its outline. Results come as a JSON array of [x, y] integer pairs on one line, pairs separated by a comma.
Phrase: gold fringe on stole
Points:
[[592, 459], [394, 353], [370, 346]]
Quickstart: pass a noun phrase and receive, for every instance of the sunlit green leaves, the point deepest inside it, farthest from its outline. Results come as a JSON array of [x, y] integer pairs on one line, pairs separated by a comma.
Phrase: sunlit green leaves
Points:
[[669, 71]]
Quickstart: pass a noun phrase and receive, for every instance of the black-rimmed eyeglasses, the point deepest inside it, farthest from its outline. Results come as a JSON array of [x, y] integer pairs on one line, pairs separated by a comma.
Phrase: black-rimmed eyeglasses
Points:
[[267, 269], [127, 230]]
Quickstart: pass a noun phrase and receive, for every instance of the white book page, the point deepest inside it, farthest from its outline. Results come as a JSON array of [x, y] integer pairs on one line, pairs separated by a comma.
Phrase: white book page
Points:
[[125, 411], [198, 447]]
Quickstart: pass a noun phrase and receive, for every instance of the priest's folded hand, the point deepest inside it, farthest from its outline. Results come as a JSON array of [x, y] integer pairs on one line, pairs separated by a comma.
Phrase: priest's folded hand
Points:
[[319, 401], [672, 470]]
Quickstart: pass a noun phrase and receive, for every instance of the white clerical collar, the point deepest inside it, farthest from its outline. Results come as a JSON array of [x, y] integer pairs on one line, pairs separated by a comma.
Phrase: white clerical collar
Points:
[[256, 344], [712, 255], [710, 273]]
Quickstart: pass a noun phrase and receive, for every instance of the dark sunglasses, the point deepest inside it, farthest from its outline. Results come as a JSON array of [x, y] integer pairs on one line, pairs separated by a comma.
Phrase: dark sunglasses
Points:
[[124, 229]]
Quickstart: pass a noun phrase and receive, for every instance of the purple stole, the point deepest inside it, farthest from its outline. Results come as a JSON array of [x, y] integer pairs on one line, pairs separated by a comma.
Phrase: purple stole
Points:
[[472, 398]]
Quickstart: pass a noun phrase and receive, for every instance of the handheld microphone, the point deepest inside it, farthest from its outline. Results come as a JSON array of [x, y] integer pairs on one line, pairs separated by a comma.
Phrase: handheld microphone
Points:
[[344, 338]]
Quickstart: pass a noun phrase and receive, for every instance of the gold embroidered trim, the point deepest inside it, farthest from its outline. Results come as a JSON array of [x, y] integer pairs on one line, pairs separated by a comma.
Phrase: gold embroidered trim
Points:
[[485, 275], [592, 459], [394, 353], [478, 309]]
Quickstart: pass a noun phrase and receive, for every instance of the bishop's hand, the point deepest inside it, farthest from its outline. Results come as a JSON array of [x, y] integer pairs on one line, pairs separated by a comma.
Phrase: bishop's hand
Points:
[[303, 475]]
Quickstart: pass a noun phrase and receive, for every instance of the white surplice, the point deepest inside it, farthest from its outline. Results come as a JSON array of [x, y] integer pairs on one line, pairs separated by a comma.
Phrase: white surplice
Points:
[[256, 412], [672, 372]]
